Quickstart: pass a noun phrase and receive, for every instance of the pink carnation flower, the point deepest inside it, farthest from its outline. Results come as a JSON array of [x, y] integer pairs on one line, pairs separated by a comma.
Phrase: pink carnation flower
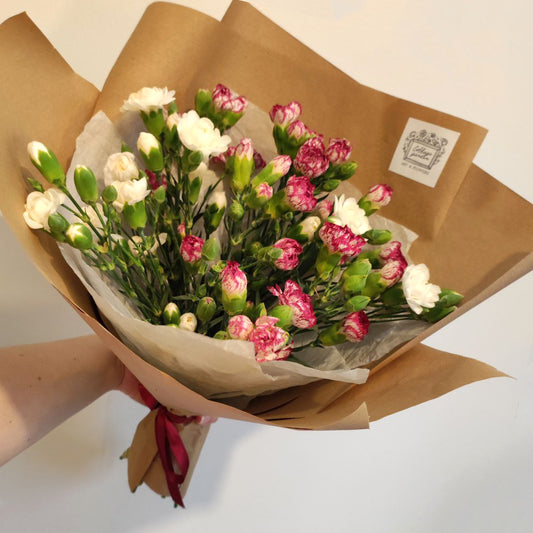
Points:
[[393, 271], [245, 149], [270, 342], [311, 159], [338, 151], [191, 248], [226, 100], [341, 240], [303, 315], [240, 327], [283, 115], [380, 195], [291, 249], [355, 326], [299, 194], [233, 280], [391, 252], [299, 132], [264, 191], [324, 208]]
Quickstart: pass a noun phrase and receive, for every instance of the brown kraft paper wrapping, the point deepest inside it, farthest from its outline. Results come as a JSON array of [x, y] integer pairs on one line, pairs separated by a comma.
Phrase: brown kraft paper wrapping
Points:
[[51, 103]]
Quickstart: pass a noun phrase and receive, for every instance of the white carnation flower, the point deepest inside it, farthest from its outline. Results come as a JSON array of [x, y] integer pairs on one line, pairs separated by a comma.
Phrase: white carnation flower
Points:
[[188, 322], [39, 206], [148, 99], [346, 212], [120, 167], [130, 192], [199, 134], [418, 291]]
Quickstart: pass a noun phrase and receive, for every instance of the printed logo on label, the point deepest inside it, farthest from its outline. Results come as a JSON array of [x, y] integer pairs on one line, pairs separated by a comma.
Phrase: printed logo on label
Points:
[[423, 151]]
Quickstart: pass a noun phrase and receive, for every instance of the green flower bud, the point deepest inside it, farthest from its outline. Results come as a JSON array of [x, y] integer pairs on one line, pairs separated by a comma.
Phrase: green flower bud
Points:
[[360, 267], [109, 194], [236, 211], [85, 182], [243, 165], [203, 102], [206, 309], [151, 152], [356, 303], [192, 160], [154, 121], [211, 250], [46, 163], [354, 284], [347, 170], [171, 314], [284, 313], [79, 236], [222, 335], [135, 215], [375, 285], [58, 224], [378, 236], [160, 195], [194, 189], [330, 185], [253, 248]]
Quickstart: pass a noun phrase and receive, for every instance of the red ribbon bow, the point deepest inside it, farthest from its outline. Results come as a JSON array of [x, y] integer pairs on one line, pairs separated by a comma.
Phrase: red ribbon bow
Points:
[[169, 444]]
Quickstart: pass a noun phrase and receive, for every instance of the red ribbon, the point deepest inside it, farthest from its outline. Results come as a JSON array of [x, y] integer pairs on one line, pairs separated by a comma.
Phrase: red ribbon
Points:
[[169, 444]]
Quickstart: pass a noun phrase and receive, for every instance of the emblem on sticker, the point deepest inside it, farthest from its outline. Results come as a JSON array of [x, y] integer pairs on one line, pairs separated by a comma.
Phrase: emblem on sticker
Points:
[[422, 151]]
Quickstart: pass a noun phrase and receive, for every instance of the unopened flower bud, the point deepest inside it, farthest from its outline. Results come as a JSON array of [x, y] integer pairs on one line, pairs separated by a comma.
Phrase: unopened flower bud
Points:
[[283, 115], [171, 314], [234, 288], [378, 236], [109, 194], [206, 309], [305, 230], [378, 196], [79, 236], [258, 196], [46, 163], [243, 164], [240, 327], [151, 152], [236, 211], [85, 182], [276, 169], [58, 224], [194, 189], [188, 322]]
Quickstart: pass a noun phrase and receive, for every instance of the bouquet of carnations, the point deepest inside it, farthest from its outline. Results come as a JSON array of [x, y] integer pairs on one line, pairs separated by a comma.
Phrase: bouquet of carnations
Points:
[[236, 270], [201, 235]]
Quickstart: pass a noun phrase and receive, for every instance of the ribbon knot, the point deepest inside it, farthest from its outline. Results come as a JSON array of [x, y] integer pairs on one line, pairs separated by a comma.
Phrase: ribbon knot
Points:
[[171, 449]]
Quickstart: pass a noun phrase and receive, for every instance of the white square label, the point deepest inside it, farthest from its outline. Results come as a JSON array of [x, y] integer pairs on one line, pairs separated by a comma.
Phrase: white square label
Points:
[[422, 151]]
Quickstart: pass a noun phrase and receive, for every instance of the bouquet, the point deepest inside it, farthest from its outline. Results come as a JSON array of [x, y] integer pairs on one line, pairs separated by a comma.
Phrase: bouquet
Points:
[[201, 235], [297, 393]]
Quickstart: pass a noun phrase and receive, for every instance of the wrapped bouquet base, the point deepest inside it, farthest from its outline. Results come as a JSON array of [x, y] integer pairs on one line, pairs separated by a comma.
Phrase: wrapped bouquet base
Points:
[[466, 221]]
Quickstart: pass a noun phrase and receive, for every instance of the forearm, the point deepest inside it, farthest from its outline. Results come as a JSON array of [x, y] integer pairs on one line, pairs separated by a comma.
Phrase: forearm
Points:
[[41, 385]]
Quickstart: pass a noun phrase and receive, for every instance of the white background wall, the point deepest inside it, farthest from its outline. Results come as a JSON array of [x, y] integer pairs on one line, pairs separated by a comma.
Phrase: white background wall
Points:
[[460, 463]]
